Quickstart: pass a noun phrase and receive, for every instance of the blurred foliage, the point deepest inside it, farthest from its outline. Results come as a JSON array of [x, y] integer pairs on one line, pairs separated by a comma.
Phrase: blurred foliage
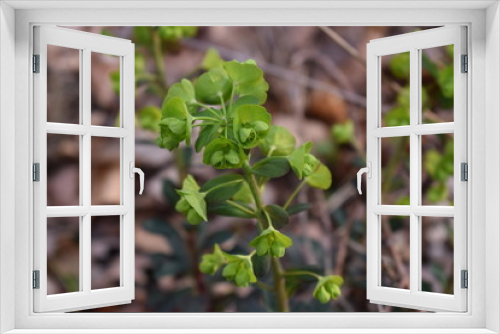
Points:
[[437, 93]]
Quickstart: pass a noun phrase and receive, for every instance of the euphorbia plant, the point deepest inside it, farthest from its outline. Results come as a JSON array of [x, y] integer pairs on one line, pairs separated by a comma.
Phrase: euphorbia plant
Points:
[[236, 133]]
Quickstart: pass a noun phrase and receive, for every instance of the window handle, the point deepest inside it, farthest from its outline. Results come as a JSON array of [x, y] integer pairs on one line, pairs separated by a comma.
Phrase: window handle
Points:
[[141, 175], [367, 170]]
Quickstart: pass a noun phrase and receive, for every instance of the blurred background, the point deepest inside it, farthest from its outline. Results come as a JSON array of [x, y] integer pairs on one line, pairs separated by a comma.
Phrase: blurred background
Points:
[[317, 78]]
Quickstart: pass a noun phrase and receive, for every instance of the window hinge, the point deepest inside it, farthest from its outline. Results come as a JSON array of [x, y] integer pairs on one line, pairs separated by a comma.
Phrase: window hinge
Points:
[[36, 172], [465, 64], [36, 279], [464, 171], [465, 279], [36, 63]]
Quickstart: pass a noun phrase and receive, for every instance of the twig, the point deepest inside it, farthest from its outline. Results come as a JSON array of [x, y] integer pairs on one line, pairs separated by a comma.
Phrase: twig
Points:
[[344, 44], [403, 273], [327, 64], [343, 247]]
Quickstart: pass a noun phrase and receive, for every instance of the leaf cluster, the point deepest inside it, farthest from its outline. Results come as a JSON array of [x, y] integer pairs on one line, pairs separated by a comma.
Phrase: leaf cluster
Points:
[[226, 103]]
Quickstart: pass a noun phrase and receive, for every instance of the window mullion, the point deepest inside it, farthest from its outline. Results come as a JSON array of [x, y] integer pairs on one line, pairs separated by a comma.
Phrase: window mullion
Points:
[[85, 177], [414, 170]]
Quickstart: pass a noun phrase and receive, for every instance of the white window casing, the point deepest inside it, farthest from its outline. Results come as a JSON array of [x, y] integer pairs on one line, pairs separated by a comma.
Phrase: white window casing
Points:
[[483, 47]]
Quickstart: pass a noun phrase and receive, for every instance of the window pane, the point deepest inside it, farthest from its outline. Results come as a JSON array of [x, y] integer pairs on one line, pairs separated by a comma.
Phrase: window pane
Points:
[[63, 250], [437, 84], [395, 171], [105, 89], [395, 251], [63, 84], [395, 89], [105, 250], [437, 254], [437, 169], [63, 170], [105, 169]]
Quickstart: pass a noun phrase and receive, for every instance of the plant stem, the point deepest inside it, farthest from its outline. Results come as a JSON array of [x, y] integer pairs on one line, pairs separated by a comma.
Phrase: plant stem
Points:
[[279, 285], [222, 185], [158, 56], [240, 207], [254, 188], [205, 118], [300, 273], [279, 278], [295, 193]]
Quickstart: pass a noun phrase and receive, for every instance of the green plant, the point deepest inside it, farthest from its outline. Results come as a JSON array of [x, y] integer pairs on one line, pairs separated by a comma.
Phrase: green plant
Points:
[[236, 133]]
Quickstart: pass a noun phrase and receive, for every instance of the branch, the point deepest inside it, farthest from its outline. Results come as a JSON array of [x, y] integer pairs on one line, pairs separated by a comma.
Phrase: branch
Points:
[[344, 44]]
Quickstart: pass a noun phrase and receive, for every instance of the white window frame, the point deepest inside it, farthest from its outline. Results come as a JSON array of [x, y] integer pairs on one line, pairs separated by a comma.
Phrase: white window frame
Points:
[[483, 21]]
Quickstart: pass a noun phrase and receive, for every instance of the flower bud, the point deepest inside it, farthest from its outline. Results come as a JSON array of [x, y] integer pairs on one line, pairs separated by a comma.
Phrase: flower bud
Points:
[[223, 153], [328, 287], [192, 202], [210, 263], [271, 242], [240, 270], [175, 125]]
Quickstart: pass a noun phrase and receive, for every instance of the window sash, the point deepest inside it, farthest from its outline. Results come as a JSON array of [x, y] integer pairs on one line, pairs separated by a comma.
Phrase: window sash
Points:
[[413, 43], [86, 297]]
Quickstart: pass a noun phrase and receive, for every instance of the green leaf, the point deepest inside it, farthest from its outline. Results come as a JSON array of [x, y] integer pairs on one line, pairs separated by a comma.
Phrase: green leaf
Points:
[[445, 81], [212, 59], [279, 216], [139, 63], [271, 167], [321, 177], [192, 202], [228, 210], [175, 33], [251, 124], [261, 265], [142, 35], [242, 101], [169, 192], [343, 133], [244, 195], [248, 79], [161, 227], [210, 263], [297, 208], [429, 66], [302, 162], [242, 72], [400, 65], [213, 85], [223, 153], [278, 142], [176, 124], [397, 116], [222, 187], [206, 135], [437, 192], [183, 90], [149, 117]]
